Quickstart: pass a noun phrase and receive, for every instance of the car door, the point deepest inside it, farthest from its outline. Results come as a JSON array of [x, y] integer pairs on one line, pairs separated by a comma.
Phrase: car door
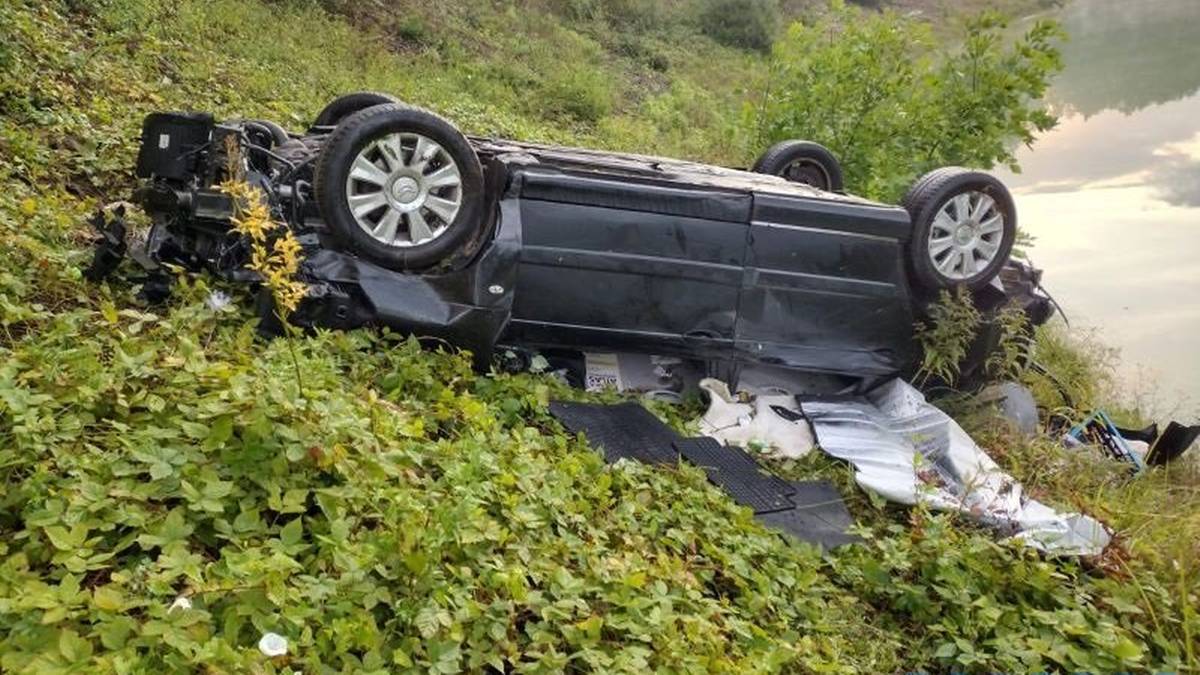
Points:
[[615, 262], [825, 286]]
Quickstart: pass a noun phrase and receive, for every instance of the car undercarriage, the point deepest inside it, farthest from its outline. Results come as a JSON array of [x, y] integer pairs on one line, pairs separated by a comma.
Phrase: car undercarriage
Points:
[[406, 223]]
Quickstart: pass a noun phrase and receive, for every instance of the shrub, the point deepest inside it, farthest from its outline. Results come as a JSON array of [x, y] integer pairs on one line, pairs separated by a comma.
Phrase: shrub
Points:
[[579, 92], [745, 24], [875, 90]]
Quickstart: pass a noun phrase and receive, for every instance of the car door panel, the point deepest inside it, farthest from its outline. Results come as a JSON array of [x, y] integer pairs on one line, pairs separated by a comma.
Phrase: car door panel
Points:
[[599, 276], [825, 286]]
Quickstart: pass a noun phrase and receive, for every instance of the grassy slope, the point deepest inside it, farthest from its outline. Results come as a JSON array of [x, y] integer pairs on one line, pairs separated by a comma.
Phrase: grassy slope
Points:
[[380, 505]]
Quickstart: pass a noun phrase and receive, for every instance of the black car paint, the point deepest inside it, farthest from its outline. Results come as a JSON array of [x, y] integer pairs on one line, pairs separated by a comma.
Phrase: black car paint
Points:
[[595, 260]]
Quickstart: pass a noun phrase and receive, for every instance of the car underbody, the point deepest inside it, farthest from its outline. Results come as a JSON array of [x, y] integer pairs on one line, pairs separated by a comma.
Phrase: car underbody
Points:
[[575, 250]]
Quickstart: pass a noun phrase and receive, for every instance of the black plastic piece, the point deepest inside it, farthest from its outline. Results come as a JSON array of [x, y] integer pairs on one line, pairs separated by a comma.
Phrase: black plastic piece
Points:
[[110, 246], [737, 473], [170, 143], [1147, 435], [1175, 440], [623, 431], [820, 516]]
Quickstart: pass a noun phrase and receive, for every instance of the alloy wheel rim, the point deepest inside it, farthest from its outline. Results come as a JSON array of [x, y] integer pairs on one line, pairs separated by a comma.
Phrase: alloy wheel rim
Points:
[[965, 235], [404, 189]]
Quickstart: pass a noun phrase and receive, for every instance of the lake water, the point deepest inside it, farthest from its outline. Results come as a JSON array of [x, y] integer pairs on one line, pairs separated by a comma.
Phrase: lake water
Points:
[[1112, 195]]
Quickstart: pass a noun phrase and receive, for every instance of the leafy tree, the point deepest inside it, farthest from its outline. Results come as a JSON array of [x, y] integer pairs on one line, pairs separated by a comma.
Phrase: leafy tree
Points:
[[875, 89]]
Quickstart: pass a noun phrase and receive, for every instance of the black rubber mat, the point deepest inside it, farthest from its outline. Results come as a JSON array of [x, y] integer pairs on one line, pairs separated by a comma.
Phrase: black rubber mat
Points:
[[820, 516], [738, 474], [626, 430]]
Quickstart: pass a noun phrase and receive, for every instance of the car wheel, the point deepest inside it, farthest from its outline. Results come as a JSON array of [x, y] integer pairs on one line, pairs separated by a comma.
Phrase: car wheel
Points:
[[275, 134], [964, 225], [343, 106], [400, 185], [802, 162]]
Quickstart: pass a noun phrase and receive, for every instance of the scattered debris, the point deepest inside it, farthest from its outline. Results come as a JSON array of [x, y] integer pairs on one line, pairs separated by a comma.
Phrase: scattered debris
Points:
[[811, 512], [273, 644], [906, 450], [1140, 447], [737, 473], [1173, 443], [623, 431], [761, 423], [820, 516], [1013, 402], [1097, 429]]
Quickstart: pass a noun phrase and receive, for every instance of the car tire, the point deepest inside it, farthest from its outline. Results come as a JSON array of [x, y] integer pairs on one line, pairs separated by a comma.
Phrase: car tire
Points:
[[414, 180], [343, 106], [276, 133], [964, 224], [802, 162]]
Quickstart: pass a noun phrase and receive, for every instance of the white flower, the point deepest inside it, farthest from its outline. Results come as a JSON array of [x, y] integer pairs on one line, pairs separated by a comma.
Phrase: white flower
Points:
[[180, 603], [273, 644], [218, 300]]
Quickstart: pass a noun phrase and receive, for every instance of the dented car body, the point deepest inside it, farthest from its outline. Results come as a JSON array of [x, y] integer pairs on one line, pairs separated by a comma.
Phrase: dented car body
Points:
[[583, 250]]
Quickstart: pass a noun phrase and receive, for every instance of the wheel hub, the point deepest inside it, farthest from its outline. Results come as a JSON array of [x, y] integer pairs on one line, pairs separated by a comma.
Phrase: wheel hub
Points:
[[964, 234], [406, 190]]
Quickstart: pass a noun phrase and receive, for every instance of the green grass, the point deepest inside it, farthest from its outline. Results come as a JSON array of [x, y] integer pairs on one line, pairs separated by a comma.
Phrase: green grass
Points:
[[385, 508]]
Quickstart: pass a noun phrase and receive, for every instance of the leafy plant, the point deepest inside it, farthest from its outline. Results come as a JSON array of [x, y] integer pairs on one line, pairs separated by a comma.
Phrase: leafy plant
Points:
[[945, 335], [1014, 349], [891, 104]]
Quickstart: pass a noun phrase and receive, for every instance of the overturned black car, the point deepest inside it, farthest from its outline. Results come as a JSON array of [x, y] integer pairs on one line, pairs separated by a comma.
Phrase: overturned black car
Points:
[[407, 223]]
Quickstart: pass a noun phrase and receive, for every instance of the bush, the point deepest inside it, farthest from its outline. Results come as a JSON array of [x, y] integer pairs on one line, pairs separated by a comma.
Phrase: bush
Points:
[[582, 93], [874, 89], [745, 24]]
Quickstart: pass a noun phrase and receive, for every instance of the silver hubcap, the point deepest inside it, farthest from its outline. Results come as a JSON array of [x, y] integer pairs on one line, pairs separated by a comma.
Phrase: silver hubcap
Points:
[[404, 189], [966, 235]]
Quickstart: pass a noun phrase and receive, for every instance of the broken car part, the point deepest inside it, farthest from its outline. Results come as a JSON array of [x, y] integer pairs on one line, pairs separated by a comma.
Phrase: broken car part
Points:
[[762, 424], [807, 511], [737, 473], [906, 450], [405, 223], [1164, 448], [1014, 403], [623, 431], [1097, 429], [820, 516]]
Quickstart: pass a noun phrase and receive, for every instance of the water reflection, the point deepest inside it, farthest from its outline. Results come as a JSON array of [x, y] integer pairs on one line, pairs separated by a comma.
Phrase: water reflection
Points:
[[1113, 193], [1127, 54]]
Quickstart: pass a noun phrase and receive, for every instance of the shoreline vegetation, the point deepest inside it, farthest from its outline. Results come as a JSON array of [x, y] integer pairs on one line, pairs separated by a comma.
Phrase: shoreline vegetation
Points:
[[171, 494]]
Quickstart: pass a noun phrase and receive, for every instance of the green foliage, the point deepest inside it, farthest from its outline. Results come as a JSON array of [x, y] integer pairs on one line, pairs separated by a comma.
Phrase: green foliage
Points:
[[579, 93], [410, 516], [1014, 349], [1080, 371], [891, 104], [747, 24], [945, 335], [970, 603]]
